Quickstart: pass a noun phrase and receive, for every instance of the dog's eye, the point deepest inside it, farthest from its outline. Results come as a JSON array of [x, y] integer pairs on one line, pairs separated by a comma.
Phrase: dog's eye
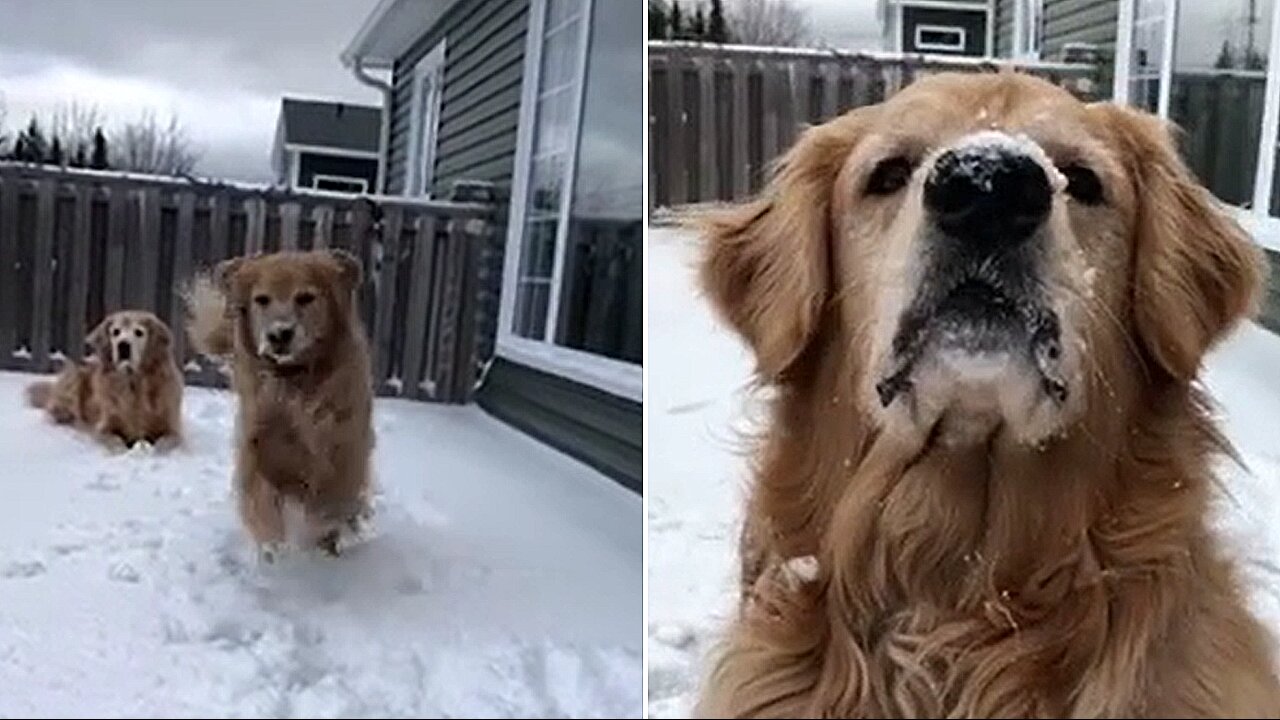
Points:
[[137, 332], [890, 176], [115, 332], [304, 298], [1083, 184], [262, 300]]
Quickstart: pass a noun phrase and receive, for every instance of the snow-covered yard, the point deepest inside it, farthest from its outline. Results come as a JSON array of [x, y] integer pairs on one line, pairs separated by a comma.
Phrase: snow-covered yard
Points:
[[696, 470], [504, 580]]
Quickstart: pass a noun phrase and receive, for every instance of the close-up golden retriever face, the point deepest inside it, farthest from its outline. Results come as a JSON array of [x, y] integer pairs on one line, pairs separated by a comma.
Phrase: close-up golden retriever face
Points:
[[130, 341], [982, 253], [290, 304]]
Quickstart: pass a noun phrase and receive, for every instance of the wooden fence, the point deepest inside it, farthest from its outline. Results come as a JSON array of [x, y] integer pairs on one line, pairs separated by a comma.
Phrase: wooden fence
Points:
[[719, 114], [75, 245], [1219, 113]]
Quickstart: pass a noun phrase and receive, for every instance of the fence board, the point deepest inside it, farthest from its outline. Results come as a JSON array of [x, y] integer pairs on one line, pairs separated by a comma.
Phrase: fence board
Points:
[[419, 305], [323, 236], [78, 276], [145, 275], [388, 273], [117, 231], [9, 307], [89, 244], [709, 168], [703, 153], [183, 240], [290, 213], [677, 164], [42, 275]]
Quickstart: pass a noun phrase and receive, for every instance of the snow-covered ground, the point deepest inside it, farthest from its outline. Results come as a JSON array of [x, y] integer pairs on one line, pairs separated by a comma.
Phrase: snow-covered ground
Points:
[[699, 409], [504, 580]]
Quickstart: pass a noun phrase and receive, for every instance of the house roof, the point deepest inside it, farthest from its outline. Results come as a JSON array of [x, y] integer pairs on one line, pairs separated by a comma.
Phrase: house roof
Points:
[[390, 29], [330, 124]]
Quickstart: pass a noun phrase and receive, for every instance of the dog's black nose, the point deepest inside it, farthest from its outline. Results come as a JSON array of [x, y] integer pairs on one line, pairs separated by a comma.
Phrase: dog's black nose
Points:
[[990, 195], [124, 351], [280, 337]]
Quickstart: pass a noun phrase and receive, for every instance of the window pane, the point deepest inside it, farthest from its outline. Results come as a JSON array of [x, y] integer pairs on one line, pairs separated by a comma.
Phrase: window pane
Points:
[[1218, 91], [560, 55], [601, 290], [559, 10], [546, 183], [554, 126]]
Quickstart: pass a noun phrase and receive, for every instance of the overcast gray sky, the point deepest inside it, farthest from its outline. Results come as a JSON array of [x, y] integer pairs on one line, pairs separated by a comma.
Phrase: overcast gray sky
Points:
[[221, 66]]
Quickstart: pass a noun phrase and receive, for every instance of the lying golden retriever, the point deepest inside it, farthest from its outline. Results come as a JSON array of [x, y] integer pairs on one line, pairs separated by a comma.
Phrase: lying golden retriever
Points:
[[287, 324], [981, 307], [128, 391]]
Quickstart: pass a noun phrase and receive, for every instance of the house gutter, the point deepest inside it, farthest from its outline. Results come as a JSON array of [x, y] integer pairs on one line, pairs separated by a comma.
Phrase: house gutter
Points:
[[384, 134]]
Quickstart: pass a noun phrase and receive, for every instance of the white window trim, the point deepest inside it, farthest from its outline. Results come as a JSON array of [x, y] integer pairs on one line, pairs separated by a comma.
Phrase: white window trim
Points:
[[362, 183], [615, 377], [1028, 16], [1264, 174], [419, 168], [960, 32], [1125, 74], [334, 151]]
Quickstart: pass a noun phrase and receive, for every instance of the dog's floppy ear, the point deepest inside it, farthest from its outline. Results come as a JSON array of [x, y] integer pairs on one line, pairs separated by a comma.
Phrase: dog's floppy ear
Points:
[[348, 267], [161, 338], [765, 265], [1196, 271], [224, 273], [100, 341]]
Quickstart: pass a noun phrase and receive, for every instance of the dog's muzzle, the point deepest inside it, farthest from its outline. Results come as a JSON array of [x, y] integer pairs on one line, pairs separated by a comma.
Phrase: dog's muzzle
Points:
[[986, 205]]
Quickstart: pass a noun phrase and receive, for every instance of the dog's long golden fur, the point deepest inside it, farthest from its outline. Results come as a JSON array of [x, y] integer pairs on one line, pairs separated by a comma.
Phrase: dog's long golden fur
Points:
[[1074, 577], [305, 421], [139, 399]]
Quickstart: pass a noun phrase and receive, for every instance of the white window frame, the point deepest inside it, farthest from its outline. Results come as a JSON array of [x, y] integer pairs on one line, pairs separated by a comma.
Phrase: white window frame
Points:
[[356, 182], [424, 121], [961, 33], [1264, 169], [1124, 70], [1028, 17], [616, 377], [1264, 175]]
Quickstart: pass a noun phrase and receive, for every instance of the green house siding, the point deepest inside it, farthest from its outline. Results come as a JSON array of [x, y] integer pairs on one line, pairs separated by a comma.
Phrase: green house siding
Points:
[[1080, 21], [480, 106], [1003, 22], [1064, 21], [600, 429]]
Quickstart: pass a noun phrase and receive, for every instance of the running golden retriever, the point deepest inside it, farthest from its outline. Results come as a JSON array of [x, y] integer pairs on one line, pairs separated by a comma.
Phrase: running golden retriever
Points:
[[983, 491], [288, 326], [128, 391]]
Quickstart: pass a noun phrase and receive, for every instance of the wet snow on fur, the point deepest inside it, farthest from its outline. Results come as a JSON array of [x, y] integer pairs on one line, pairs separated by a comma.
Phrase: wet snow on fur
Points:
[[701, 415]]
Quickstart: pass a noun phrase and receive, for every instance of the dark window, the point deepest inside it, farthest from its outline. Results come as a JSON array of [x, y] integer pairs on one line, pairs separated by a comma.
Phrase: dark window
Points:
[[340, 184], [939, 38], [602, 285]]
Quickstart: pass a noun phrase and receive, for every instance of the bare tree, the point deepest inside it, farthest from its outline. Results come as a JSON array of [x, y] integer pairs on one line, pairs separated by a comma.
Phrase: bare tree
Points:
[[769, 22], [148, 146], [4, 132], [74, 123]]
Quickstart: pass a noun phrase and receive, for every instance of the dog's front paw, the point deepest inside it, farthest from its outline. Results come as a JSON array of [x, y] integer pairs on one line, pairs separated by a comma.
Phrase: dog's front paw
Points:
[[113, 442], [270, 551]]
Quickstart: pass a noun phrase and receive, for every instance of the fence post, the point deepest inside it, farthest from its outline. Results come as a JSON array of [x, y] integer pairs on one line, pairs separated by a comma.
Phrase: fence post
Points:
[[42, 275], [387, 273], [9, 188], [78, 273]]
